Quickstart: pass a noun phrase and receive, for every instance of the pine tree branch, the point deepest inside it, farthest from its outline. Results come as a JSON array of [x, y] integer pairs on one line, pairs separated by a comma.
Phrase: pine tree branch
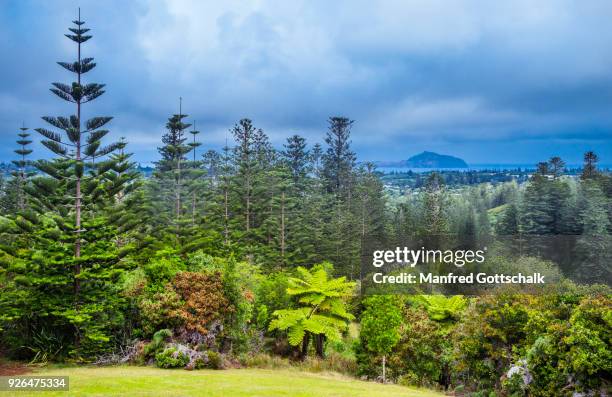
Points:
[[49, 134], [96, 122]]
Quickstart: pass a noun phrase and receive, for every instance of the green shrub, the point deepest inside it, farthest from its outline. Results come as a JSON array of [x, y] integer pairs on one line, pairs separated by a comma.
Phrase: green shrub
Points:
[[161, 269], [200, 363], [271, 293], [380, 325], [409, 379], [240, 281], [215, 360], [422, 351], [157, 343], [367, 363], [171, 358], [578, 350], [484, 340], [517, 380], [158, 310]]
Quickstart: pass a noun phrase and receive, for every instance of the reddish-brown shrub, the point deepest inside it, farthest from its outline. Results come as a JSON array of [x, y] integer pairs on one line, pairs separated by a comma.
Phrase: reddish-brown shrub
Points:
[[204, 300]]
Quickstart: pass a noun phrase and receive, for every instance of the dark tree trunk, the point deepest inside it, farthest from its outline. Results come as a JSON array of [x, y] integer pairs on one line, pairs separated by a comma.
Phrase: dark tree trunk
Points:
[[320, 345], [305, 342]]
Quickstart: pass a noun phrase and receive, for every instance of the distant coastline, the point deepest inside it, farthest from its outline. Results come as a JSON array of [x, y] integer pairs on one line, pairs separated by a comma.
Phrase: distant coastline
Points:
[[480, 167]]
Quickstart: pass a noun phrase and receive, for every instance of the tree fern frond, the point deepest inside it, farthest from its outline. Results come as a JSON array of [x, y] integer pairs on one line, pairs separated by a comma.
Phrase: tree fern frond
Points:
[[313, 326], [296, 335]]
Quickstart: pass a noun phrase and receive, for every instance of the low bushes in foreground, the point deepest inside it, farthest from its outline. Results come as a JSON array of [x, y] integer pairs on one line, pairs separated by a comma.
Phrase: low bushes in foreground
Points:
[[506, 343]]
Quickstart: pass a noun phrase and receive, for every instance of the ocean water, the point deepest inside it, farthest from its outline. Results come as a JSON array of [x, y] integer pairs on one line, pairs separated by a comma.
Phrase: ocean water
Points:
[[481, 167], [473, 167]]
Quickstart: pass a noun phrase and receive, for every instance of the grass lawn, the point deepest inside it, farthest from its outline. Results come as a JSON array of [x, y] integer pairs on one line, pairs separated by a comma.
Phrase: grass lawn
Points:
[[145, 381]]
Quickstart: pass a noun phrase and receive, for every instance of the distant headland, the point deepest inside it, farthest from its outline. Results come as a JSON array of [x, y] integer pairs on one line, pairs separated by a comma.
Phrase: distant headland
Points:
[[427, 160]]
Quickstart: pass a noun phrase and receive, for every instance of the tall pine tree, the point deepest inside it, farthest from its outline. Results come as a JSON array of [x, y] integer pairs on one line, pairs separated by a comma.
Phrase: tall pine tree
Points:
[[593, 248], [170, 175], [589, 170], [338, 173], [339, 159], [22, 174], [69, 251]]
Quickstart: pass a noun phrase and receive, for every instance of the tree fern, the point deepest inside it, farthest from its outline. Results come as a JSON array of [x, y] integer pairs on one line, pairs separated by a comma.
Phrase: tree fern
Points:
[[440, 307], [322, 312]]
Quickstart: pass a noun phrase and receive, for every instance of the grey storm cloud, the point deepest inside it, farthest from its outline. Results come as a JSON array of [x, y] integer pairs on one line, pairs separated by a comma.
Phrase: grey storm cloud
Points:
[[507, 81]]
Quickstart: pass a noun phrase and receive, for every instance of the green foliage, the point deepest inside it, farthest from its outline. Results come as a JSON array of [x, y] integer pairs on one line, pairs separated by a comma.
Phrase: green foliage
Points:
[[508, 225], [300, 322], [39, 289], [380, 323], [158, 310], [212, 304], [339, 159], [47, 345], [240, 293], [67, 251], [594, 246], [177, 184], [505, 343], [422, 356], [157, 342], [162, 269], [171, 358], [485, 337], [272, 295], [572, 354], [562, 341], [240, 282], [322, 308], [215, 360], [440, 307], [435, 210]]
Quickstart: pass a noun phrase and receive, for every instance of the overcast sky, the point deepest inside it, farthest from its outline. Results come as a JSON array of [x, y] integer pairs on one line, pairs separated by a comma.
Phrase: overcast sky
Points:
[[488, 81]]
